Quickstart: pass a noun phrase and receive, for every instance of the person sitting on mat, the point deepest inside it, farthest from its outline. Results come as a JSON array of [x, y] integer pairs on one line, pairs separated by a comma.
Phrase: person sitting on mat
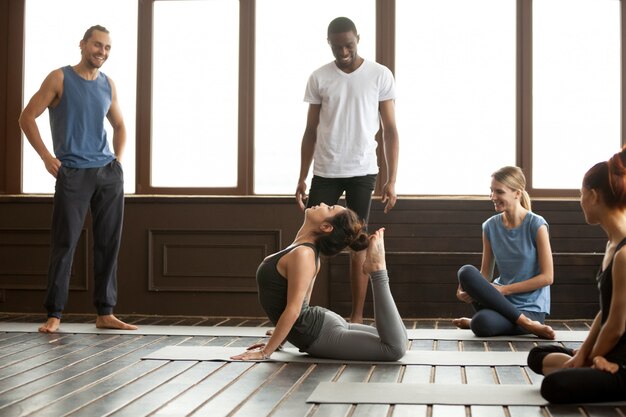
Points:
[[517, 241], [596, 372], [285, 281]]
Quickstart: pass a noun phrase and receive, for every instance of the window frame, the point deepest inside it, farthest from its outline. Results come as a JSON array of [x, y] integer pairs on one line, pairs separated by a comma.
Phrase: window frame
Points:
[[11, 51]]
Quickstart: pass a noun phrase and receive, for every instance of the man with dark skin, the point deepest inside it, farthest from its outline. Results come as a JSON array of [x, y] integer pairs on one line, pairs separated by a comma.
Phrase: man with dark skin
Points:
[[88, 174], [349, 100]]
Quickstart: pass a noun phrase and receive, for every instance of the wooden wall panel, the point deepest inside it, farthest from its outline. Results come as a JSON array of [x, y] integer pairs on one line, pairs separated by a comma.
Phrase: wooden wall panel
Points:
[[198, 255], [208, 260], [24, 260]]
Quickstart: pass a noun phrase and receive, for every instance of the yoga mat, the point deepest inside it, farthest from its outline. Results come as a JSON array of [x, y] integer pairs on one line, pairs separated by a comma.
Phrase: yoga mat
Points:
[[243, 331], [448, 394], [144, 330], [412, 357], [464, 334]]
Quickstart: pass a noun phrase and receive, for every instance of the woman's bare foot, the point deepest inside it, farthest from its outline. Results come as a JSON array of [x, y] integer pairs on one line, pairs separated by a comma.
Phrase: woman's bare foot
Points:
[[375, 255], [601, 363], [50, 326], [112, 322], [542, 330], [462, 322]]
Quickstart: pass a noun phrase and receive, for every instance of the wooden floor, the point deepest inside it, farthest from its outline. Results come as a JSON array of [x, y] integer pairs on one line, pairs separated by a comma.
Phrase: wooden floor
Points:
[[103, 375]]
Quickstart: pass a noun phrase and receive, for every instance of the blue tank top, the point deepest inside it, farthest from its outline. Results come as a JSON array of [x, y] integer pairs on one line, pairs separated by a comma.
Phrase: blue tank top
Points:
[[515, 252], [77, 122]]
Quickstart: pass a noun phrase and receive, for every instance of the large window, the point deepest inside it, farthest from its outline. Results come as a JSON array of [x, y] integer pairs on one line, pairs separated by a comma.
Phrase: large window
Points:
[[53, 30], [290, 45], [456, 94], [217, 88], [576, 88], [194, 94]]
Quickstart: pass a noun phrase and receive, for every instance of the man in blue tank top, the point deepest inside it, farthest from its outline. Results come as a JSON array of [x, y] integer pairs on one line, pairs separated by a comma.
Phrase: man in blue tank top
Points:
[[88, 174]]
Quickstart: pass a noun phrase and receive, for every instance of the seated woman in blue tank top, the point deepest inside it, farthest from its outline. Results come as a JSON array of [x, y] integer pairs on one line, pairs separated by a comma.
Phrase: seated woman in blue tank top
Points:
[[517, 241], [285, 281], [596, 372]]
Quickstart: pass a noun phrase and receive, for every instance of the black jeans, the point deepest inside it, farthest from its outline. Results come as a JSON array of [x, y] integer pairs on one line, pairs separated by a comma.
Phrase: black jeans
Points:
[[76, 191], [358, 193]]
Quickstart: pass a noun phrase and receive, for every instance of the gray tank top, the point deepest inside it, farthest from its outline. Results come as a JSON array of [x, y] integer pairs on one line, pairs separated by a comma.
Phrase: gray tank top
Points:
[[273, 298]]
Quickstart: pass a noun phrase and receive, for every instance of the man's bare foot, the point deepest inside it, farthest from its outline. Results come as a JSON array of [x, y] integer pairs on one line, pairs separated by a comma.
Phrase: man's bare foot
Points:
[[50, 326], [462, 322], [112, 322], [375, 255], [542, 330]]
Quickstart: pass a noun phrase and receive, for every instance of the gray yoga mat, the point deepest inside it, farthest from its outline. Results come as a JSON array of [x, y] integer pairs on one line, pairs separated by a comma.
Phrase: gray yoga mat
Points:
[[448, 394], [464, 334], [412, 357], [144, 330], [243, 331]]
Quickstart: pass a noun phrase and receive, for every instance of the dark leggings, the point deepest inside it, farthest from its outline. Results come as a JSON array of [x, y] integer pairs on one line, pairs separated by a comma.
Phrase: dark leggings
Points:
[[495, 315], [577, 385]]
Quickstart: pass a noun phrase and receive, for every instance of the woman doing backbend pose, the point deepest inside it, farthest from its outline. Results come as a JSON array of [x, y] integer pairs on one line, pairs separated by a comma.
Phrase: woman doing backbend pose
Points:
[[597, 371], [517, 241], [285, 281]]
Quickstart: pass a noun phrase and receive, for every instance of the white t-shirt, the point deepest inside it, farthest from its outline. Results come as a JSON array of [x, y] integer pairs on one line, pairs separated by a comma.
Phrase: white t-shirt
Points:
[[349, 117]]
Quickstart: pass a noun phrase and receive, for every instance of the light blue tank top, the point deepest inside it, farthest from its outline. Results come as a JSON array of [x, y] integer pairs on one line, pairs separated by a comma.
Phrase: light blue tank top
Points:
[[77, 122], [515, 252]]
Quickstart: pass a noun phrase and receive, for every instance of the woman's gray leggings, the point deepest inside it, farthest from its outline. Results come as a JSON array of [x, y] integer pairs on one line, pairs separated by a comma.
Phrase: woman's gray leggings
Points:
[[386, 342]]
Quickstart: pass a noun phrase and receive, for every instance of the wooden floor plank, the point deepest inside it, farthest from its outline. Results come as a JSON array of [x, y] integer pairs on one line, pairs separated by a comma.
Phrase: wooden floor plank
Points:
[[125, 387], [598, 411], [421, 344], [168, 391], [24, 372], [60, 383], [499, 346], [511, 375], [15, 352], [295, 403], [480, 375], [80, 392], [273, 391], [526, 411], [474, 345], [235, 394], [564, 411], [200, 394], [56, 374]]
